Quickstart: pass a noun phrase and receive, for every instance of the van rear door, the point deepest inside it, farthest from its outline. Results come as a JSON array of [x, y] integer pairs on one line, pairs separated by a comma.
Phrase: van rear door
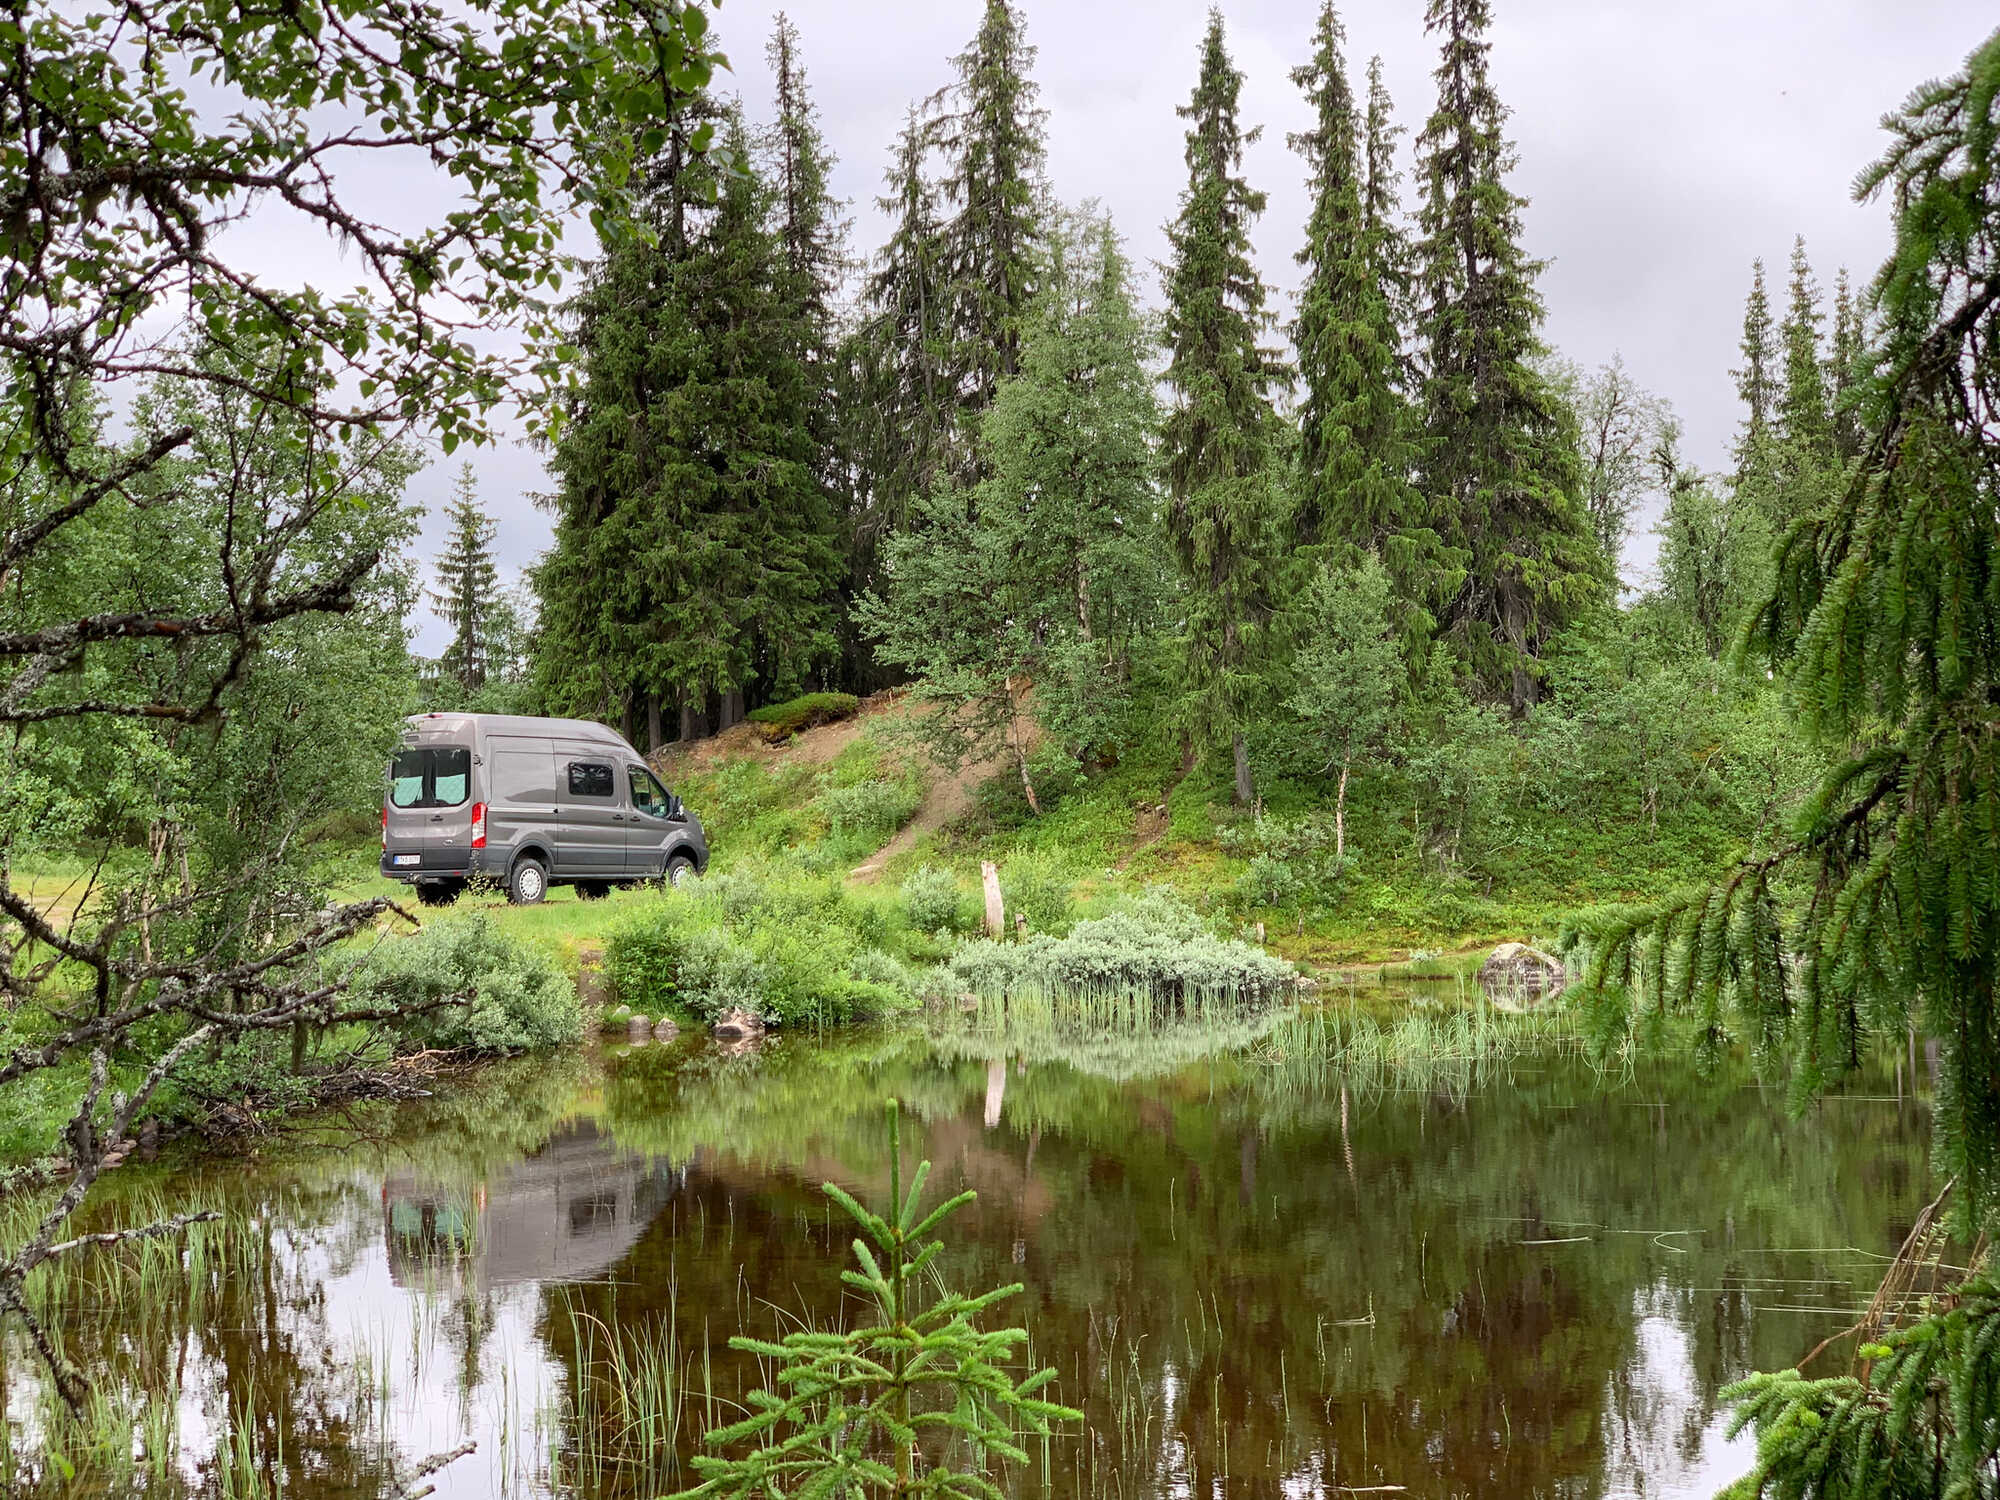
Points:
[[427, 816]]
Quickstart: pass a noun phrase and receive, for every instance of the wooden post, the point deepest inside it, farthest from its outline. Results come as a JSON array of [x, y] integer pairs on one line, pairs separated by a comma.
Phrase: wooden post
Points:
[[996, 906]]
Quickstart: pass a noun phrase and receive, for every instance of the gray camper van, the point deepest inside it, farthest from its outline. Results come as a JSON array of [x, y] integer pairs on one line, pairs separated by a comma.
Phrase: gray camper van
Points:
[[529, 803]]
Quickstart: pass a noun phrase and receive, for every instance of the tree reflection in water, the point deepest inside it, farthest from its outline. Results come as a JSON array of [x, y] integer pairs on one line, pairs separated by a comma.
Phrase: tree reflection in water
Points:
[[1268, 1260]]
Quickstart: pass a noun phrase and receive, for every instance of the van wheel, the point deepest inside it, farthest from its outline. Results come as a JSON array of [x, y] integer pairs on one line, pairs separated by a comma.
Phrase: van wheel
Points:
[[528, 883], [592, 890], [681, 871], [439, 892]]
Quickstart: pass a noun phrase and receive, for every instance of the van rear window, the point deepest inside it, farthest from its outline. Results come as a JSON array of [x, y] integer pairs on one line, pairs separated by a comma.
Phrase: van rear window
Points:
[[433, 776]]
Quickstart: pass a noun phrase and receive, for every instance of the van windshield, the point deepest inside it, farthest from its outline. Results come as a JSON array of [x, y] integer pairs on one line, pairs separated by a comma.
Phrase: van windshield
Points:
[[431, 776]]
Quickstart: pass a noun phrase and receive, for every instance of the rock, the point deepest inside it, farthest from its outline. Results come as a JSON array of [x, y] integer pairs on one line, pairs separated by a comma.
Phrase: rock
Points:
[[664, 1029], [1517, 972], [736, 1024], [638, 1029]]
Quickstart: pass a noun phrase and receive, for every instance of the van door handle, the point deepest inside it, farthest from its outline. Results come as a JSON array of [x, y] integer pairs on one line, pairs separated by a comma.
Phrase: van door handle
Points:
[[618, 817]]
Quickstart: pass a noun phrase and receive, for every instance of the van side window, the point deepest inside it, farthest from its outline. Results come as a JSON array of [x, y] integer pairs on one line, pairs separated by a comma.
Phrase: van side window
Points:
[[648, 795], [589, 778]]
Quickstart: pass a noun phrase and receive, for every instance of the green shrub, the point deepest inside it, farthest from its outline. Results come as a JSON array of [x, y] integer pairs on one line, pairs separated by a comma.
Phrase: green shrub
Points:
[[1154, 948], [870, 809], [932, 900], [797, 953], [1269, 881], [1056, 774], [501, 994], [1039, 884], [780, 721]]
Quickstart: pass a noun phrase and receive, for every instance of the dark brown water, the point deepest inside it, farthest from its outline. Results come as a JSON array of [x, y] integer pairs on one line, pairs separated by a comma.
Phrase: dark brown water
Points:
[[1265, 1271]]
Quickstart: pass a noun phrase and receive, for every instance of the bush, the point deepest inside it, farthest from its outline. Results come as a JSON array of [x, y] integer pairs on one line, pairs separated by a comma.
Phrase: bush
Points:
[[870, 809], [800, 953], [1155, 949], [503, 995], [1039, 885], [932, 901], [778, 722]]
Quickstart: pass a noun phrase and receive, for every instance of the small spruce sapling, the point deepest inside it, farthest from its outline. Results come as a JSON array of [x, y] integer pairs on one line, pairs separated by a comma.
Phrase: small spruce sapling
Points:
[[879, 1410]]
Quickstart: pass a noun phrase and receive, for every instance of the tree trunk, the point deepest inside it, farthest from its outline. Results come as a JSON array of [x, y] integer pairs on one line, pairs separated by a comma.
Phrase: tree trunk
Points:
[[1340, 822], [1018, 743], [652, 723], [732, 710], [1244, 790], [996, 904], [687, 720]]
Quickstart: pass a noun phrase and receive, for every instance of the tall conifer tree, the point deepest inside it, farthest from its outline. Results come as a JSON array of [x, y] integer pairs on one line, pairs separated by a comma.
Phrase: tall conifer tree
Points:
[[811, 228], [1225, 512], [1805, 412], [1844, 370], [467, 594], [995, 147], [695, 548], [1045, 577], [1499, 461], [1344, 335], [1756, 381], [1354, 490], [904, 423], [1381, 211]]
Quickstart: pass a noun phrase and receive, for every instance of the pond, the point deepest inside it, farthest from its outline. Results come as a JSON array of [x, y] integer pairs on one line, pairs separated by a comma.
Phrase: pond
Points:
[[1264, 1259]]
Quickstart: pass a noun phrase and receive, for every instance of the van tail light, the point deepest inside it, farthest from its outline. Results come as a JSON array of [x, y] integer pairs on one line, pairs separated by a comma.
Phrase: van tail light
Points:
[[479, 825], [385, 830]]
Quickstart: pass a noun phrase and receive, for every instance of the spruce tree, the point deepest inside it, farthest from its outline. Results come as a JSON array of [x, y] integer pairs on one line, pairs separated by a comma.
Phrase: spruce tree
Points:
[[1049, 573], [810, 227], [1381, 214], [1844, 369], [905, 422], [467, 594], [1354, 491], [1884, 622], [695, 547], [1755, 476], [1499, 463], [1225, 512], [1805, 409], [1879, 917], [994, 144]]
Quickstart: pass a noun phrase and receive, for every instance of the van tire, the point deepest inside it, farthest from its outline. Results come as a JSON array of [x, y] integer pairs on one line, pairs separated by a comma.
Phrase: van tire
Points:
[[592, 890], [527, 882], [680, 871], [439, 892]]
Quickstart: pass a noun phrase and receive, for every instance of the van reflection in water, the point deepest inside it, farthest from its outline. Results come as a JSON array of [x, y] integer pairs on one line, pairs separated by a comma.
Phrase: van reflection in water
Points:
[[570, 1212]]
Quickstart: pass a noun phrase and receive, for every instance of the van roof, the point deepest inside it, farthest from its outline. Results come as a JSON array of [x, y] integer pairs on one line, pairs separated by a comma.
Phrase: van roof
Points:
[[576, 729]]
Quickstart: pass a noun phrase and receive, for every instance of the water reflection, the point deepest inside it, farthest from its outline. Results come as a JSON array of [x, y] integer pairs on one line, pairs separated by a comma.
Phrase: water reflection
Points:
[[1281, 1265], [569, 1211]]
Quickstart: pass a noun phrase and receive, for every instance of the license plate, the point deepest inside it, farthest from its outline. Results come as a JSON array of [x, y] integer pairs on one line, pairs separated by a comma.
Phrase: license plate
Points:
[[408, 859]]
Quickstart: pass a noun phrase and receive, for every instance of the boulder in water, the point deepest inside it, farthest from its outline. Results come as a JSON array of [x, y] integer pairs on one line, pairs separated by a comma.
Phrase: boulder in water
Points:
[[736, 1025], [1524, 975]]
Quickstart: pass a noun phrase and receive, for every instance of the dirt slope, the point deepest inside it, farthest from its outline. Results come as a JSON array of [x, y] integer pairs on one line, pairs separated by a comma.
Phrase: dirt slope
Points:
[[947, 795]]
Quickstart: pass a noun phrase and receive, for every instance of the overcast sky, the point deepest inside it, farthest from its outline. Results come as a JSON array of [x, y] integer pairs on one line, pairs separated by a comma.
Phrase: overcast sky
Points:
[[1663, 147]]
